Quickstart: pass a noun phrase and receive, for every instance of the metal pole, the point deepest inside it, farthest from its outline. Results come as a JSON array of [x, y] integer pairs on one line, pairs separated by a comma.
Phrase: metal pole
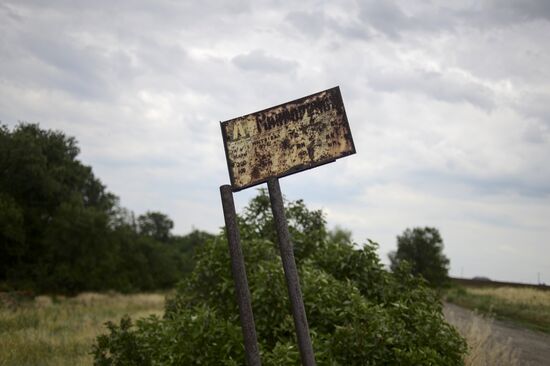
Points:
[[239, 276], [291, 274]]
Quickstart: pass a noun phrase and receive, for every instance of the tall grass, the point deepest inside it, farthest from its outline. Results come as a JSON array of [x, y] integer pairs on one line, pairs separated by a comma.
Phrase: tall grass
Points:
[[61, 331], [516, 295], [527, 306], [483, 348]]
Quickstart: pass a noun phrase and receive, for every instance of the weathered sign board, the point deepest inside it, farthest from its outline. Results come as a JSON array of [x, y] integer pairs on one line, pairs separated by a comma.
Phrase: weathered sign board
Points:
[[287, 138]]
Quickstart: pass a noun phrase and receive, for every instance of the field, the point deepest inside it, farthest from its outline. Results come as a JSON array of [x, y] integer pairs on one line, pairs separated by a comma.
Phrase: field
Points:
[[61, 331], [527, 306]]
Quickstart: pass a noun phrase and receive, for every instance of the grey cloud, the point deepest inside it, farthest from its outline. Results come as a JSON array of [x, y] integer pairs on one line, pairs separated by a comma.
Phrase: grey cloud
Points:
[[536, 105], [510, 11], [388, 18], [10, 13], [258, 60], [385, 16], [314, 24], [450, 183], [393, 18], [83, 58], [435, 85], [371, 16], [310, 23], [172, 12], [537, 133], [74, 70], [161, 58]]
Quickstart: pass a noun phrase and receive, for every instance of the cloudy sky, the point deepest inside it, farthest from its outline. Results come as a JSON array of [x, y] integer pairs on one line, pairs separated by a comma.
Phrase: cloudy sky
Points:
[[448, 102]]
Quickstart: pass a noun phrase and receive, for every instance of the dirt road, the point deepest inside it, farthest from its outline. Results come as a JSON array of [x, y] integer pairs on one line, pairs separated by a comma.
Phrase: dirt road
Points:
[[533, 348]]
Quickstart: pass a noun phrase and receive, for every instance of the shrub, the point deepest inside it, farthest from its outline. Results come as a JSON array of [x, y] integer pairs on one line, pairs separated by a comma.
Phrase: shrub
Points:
[[359, 314]]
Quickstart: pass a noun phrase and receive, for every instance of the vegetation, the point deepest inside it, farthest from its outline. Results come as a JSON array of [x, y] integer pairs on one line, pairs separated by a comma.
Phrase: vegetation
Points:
[[422, 248], [60, 331], [527, 306], [358, 312], [61, 231]]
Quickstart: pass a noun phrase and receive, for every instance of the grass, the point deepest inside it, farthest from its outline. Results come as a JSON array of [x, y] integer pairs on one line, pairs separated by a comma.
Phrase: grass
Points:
[[61, 331], [529, 307], [483, 349]]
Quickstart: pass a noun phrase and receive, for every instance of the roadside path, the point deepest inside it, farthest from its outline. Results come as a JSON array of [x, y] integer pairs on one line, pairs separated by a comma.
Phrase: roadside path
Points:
[[533, 347]]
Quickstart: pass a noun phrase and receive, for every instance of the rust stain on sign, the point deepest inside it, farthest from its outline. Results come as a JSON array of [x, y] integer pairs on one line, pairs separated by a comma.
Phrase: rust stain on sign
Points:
[[287, 138]]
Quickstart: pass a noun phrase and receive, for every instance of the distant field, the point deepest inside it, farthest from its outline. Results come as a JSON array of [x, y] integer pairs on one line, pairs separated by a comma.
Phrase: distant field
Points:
[[480, 282], [528, 306], [61, 331]]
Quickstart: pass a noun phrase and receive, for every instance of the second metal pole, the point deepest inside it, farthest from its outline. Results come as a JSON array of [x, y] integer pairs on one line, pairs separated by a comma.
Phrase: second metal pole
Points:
[[291, 273], [239, 276]]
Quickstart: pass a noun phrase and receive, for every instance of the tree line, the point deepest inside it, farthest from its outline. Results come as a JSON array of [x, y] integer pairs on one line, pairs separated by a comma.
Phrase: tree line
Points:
[[62, 231]]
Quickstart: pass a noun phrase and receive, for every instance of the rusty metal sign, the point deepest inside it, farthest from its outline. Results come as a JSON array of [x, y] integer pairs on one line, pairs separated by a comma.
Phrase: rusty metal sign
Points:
[[287, 138]]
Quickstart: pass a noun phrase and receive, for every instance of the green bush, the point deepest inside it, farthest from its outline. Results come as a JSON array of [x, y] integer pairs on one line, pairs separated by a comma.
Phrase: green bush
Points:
[[359, 314]]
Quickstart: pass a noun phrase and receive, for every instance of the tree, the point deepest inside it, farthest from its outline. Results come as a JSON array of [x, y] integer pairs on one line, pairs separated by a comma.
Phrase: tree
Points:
[[187, 245], [307, 227], [61, 230], [12, 235], [156, 225], [359, 314], [422, 248], [40, 177]]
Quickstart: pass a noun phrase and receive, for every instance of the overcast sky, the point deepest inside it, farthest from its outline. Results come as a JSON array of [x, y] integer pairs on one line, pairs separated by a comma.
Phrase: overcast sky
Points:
[[448, 102]]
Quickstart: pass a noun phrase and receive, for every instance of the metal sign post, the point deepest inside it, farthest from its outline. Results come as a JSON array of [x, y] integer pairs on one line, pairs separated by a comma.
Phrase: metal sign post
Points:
[[239, 276], [291, 273], [262, 147]]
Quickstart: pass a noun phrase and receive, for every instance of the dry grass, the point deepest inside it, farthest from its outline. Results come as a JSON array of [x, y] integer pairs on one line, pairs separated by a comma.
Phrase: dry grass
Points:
[[516, 295], [483, 348], [529, 307], [61, 331]]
